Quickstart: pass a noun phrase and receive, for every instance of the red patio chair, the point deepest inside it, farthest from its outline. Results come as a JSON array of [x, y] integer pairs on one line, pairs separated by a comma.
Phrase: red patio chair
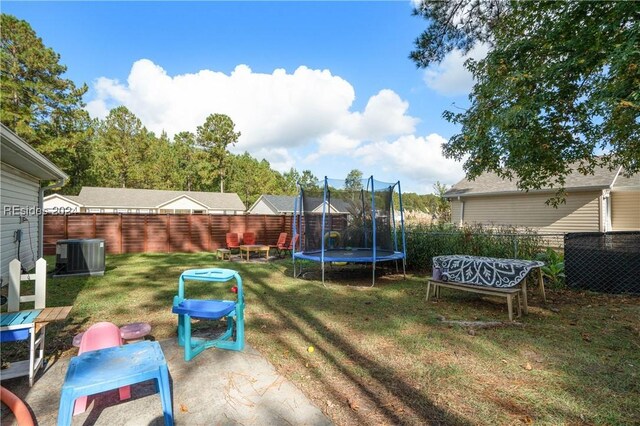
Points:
[[281, 244], [293, 245], [249, 238], [233, 242]]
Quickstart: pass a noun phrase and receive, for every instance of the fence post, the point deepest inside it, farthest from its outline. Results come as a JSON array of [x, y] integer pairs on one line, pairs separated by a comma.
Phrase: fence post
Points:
[[41, 284], [168, 233], [120, 229], [13, 298], [209, 231], [145, 234], [189, 245], [515, 246]]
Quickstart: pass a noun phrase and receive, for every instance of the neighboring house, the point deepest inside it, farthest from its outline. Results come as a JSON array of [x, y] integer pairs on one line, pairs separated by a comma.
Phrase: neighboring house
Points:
[[273, 204], [61, 204], [604, 201], [128, 200], [23, 169], [285, 204]]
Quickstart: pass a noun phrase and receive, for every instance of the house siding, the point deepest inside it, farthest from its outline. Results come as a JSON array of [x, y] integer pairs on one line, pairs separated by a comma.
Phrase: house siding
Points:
[[625, 211], [183, 203], [579, 214], [262, 208], [18, 189], [456, 210], [57, 204]]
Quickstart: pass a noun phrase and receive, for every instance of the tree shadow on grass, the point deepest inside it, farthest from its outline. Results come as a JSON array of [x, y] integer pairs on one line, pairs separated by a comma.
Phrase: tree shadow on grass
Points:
[[382, 376]]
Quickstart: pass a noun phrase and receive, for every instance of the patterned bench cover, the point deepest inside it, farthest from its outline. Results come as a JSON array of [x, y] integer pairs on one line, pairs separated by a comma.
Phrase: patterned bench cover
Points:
[[485, 271]]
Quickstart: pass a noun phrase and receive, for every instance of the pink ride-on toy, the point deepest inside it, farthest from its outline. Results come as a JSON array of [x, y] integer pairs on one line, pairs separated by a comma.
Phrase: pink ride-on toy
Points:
[[100, 336]]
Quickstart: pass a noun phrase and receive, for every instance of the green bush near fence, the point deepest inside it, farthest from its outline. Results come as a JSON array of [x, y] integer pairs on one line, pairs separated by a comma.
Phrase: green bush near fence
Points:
[[426, 241]]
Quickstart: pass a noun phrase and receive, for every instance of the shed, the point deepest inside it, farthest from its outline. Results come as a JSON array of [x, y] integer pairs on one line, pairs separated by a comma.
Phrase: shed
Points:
[[23, 169]]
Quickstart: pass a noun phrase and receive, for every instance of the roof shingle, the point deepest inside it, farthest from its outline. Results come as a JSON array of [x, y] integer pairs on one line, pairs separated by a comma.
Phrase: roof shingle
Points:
[[152, 198], [490, 183]]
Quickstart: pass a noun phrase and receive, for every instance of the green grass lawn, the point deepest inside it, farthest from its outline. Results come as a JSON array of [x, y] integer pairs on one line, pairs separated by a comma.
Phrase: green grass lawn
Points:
[[382, 355]]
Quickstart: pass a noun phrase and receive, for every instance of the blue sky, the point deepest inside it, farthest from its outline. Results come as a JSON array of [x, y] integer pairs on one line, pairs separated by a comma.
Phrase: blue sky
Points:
[[325, 86]]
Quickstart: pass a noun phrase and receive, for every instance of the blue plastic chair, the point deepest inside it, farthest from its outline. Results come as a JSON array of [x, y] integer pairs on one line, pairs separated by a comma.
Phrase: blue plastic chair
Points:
[[233, 311]]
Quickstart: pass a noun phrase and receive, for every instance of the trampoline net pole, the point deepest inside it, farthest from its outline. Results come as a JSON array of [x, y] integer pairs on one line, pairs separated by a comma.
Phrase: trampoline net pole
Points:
[[350, 221]]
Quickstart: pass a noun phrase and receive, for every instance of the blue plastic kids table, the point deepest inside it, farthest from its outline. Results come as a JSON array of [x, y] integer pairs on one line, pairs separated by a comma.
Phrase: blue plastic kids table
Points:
[[105, 369], [233, 311]]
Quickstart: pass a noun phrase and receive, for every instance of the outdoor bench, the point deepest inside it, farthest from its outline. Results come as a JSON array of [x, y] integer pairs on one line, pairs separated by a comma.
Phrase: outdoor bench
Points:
[[485, 275]]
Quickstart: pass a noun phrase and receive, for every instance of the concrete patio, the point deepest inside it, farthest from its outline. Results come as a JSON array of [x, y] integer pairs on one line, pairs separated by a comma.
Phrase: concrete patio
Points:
[[217, 387]]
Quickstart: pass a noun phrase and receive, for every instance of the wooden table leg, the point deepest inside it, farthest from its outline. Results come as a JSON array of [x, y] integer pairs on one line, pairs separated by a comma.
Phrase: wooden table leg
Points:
[[510, 306], [541, 282]]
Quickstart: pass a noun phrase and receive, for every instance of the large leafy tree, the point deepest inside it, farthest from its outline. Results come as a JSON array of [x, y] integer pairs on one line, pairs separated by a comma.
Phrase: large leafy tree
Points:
[[215, 136], [308, 180], [39, 104], [187, 160], [121, 151], [250, 178], [353, 181], [558, 90], [440, 206], [289, 182], [163, 171]]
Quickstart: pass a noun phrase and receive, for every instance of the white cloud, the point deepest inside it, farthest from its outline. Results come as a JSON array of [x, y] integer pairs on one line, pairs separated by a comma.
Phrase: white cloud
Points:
[[450, 77], [280, 159], [419, 159], [302, 119], [276, 109], [333, 143], [270, 110], [384, 115]]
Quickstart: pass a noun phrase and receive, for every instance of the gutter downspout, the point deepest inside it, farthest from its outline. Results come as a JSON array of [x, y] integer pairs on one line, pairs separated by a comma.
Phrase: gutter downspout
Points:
[[607, 225], [461, 211], [58, 184]]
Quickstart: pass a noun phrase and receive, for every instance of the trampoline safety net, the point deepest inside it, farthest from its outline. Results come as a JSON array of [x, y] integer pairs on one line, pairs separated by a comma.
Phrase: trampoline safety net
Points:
[[358, 215]]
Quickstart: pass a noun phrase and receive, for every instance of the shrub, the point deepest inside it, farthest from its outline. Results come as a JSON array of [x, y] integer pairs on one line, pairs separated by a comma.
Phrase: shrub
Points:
[[426, 241], [553, 271]]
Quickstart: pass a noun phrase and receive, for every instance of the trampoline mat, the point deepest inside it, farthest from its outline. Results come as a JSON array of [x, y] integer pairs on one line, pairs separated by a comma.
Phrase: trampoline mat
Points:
[[350, 255]]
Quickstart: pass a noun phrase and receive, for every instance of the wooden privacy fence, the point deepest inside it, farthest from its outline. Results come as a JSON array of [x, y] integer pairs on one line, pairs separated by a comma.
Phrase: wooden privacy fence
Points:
[[164, 233]]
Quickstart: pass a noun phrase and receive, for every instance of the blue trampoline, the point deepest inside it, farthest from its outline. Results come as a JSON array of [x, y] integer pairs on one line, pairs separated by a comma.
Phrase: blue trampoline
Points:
[[342, 221]]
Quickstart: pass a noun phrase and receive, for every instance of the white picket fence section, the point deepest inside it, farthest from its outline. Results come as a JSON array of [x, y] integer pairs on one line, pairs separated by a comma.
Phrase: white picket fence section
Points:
[[15, 280]]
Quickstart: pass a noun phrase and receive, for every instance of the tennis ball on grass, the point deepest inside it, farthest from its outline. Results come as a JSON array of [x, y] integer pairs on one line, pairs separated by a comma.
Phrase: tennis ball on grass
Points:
[[310, 349]]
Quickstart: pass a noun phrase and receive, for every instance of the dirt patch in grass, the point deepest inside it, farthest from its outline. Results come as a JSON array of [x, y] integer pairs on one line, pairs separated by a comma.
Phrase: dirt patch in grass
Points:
[[382, 355]]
